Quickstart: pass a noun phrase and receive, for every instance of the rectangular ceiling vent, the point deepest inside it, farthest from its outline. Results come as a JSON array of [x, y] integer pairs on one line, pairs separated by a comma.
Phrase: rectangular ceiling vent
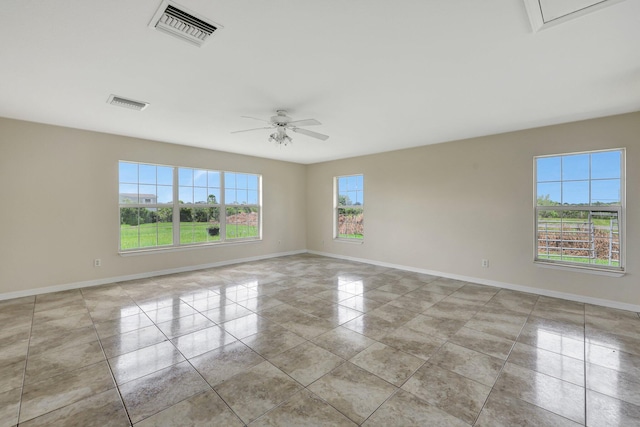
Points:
[[180, 22], [127, 103]]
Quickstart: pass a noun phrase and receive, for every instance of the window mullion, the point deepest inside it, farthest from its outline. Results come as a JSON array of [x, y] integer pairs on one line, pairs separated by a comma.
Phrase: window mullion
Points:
[[176, 209], [223, 209]]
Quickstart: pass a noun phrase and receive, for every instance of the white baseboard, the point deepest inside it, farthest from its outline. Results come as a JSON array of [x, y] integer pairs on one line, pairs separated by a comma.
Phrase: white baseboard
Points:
[[146, 275], [521, 288]]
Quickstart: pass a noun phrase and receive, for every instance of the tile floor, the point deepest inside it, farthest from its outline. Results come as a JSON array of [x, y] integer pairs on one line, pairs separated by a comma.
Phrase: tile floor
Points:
[[307, 340]]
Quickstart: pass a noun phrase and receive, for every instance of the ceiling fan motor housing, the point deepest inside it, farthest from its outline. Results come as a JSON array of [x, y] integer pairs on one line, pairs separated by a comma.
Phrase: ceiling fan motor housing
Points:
[[281, 119]]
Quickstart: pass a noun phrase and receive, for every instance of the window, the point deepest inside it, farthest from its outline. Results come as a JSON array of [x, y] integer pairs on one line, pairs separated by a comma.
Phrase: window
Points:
[[579, 209], [167, 206], [349, 207]]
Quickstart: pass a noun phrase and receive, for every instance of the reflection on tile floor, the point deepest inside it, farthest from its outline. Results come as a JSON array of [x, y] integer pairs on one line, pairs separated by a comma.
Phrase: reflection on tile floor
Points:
[[309, 340]]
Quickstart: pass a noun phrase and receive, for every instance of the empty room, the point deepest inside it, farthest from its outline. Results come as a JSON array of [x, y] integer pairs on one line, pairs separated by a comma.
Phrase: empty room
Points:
[[320, 213]]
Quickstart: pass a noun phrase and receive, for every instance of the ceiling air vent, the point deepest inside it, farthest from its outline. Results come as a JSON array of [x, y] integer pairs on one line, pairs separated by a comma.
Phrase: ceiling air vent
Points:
[[178, 21], [127, 103]]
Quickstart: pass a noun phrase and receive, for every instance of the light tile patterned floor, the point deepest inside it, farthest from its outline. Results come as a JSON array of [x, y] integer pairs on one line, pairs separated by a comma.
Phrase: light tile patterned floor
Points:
[[308, 340]]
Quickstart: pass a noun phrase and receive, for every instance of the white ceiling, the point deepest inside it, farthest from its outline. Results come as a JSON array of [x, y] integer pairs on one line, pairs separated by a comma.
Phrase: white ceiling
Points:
[[379, 75]]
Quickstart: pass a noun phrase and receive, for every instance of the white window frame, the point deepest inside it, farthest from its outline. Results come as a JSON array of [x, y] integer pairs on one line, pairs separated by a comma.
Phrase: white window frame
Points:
[[620, 210], [337, 207], [175, 205]]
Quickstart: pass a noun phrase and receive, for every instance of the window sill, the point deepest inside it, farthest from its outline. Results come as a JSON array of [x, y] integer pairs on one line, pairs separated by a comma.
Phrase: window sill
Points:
[[165, 249], [580, 269], [351, 241]]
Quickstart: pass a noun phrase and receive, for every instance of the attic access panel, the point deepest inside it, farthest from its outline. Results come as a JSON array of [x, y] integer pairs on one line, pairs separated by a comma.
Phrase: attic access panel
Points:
[[546, 13]]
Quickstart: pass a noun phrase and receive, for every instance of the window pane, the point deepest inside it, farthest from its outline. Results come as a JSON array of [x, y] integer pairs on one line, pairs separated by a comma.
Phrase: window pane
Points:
[[229, 180], [575, 167], [147, 174], [583, 235], [128, 193], [606, 238], [352, 197], [165, 175], [352, 183], [185, 177], [242, 223], [141, 227], [252, 182], [241, 180], [549, 194], [148, 194], [549, 238], [129, 228], [350, 223], [343, 199], [605, 165], [575, 192], [241, 196], [200, 195], [213, 227], [195, 224], [548, 169], [185, 194], [342, 184], [606, 191], [128, 172], [230, 196], [252, 197], [213, 179], [148, 228], [165, 194], [214, 196], [200, 178]]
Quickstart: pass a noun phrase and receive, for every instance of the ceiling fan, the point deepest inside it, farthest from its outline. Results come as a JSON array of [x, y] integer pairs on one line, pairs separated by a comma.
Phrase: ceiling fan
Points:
[[281, 123]]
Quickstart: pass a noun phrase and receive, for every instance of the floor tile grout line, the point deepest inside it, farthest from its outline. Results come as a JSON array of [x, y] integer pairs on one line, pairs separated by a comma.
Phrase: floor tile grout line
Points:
[[528, 317], [504, 364], [584, 365], [26, 360], [113, 378]]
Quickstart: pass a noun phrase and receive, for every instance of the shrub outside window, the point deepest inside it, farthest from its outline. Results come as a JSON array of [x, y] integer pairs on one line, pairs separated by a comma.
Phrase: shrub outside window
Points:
[[349, 207], [579, 208], [168, 206]]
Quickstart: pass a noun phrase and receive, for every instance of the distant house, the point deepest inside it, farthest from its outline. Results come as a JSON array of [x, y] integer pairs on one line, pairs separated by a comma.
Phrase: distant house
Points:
[[147, 199]]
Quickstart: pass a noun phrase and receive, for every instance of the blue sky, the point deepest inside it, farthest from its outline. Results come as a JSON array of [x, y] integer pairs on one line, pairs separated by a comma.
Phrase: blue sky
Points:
[[567, 179], [352, 187], [194, 185]]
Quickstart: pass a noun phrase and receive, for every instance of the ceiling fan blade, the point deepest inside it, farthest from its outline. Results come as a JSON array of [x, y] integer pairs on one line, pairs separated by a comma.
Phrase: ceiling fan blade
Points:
[[249, 130], [307, 122], [254, 118], [310, 133]]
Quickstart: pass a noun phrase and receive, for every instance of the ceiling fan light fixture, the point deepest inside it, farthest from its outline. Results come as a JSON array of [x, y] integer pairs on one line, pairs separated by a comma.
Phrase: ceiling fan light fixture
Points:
[[280, 138], [280, 123]]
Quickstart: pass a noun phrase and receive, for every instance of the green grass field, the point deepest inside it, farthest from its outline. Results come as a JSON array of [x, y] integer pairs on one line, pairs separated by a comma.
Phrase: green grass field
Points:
[[579, 260], [161, 234], [350, 236]]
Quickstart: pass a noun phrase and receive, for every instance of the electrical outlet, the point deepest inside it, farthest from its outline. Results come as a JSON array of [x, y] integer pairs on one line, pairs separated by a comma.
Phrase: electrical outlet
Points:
[[97, 262], [485, 263]]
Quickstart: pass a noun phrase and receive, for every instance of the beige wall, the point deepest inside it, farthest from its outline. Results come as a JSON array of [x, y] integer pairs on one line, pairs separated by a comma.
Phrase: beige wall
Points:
[[445, 207], [59, 194], [441, 208]]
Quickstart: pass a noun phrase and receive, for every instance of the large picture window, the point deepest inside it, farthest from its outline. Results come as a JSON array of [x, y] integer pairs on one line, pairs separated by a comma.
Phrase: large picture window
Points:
[[579, 209], [167, 206], [349, 207]]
